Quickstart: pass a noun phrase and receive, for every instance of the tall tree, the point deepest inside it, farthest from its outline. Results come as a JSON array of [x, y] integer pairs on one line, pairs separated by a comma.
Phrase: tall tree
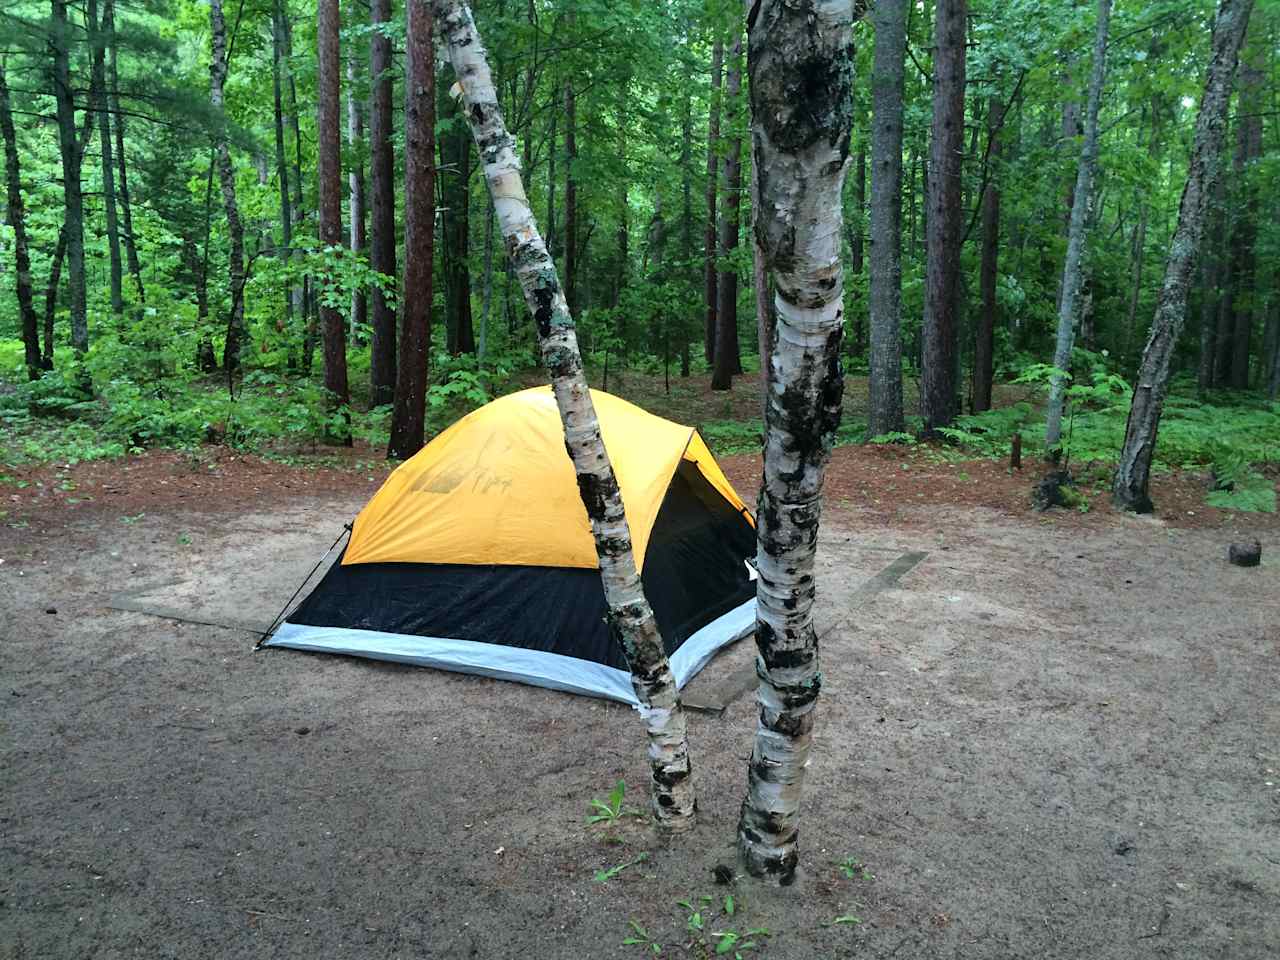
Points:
[[1244, 295], [728, 361], [884, 410], [984, 335], [98, 43], [17, 219], [570, 197], [409, 412], [629, 612], [282, 163], [939, 332], [1072, 271], [227, 180], [711, 237], [383, 221], [72, 191], [1129, 488], [328, 179], [455, 194], [355, 190], [122, 193], [801, 72]]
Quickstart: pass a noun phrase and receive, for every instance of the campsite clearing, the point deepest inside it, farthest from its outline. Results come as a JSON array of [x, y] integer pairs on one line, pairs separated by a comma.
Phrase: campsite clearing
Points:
[[1049, 737]]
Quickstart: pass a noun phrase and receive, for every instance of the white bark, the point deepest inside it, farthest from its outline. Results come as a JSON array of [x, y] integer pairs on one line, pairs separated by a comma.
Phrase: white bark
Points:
[[800, 62], [629, 611], [1071, 271]]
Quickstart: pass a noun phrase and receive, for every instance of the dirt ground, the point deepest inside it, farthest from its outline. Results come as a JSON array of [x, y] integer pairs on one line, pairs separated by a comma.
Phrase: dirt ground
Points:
[[1055, 736]]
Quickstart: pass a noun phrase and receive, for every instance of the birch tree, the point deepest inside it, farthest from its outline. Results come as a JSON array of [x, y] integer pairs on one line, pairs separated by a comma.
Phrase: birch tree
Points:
[[1129, 489], [800, 64], [1082, 198], [629, 612]]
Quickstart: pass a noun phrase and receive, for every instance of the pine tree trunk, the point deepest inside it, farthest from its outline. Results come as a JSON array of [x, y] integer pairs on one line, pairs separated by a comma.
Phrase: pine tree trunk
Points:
[[302, 293], [1248, 149], [711, 241], [570, 199], [984, 336], [885, 267], [942, 285], [801, 72], [1071, 271], [1133, 473], [728, 361], [686, 207], [17, 219], [630, 615], [98, 94], [409, 412], [1135, 285], [329, 182], [383, 223], [860, 213], [455, 170], [355, 195], [51, 299], [282, 164], [227, 180], [122, 192], [1211, 256], [73, 198]]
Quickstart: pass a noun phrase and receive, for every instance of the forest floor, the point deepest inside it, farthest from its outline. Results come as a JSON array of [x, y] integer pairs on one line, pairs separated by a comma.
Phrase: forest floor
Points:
[[1054, 736]]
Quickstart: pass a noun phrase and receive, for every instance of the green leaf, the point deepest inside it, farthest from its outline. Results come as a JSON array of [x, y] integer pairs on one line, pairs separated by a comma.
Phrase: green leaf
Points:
[[728, 904]]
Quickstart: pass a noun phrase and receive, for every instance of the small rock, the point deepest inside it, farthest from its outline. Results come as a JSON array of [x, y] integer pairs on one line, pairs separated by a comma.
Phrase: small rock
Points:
[[723, 874], [1247, 554], [50, 609], [302, 731]]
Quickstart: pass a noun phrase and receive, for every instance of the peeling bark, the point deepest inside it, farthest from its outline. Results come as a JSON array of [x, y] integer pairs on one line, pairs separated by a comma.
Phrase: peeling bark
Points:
[[885, 263], [801, 70], [1072, 273], [629, 612], [1129, 488]]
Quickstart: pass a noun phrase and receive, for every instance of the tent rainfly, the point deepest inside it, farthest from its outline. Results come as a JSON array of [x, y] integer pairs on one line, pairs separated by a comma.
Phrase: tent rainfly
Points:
[[476, 555]]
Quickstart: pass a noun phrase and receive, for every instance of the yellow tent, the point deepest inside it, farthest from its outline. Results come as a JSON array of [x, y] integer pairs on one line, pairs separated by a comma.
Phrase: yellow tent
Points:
[[498, 488], [476, 554]]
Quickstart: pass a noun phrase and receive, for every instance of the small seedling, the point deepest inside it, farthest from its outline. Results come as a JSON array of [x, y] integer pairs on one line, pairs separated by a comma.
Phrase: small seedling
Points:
[[729, 905], [641, 936], [855, 869], [133, 519], [847, 918], [611, 810], [604, 876], [730, 941]]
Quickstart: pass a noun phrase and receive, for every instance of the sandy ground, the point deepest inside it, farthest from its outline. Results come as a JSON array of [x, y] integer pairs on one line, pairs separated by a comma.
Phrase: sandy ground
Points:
[[1048, 739]]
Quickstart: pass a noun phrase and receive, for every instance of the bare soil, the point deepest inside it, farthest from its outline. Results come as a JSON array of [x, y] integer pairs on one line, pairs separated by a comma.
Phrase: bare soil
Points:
[[1056, 736]]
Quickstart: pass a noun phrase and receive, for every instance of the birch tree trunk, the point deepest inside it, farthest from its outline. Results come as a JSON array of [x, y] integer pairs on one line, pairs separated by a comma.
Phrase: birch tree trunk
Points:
[[938, 333], [409, 413], [801, 71], [382, 225], [710, 242], [329, 182], [17, 219], [227, 180], [1129, 488], [885, 263], [629, 612], [1071, 271], [71, 153]]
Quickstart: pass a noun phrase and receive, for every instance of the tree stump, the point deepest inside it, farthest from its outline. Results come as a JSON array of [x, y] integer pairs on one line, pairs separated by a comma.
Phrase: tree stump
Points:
[[1247, 554]]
